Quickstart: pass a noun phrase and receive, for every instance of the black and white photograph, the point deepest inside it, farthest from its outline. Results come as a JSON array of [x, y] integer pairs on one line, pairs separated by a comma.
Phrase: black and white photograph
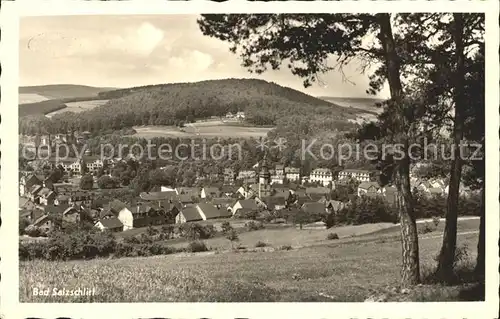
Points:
[[254, 157]]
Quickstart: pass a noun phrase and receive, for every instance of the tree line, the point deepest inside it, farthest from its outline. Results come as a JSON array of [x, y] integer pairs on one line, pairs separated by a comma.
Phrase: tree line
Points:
[[433, 64]]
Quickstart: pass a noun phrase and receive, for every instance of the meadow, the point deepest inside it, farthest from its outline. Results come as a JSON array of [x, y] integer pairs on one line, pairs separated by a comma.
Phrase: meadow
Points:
[[202, 129], [348, 269], [31, 98], [79, 106]]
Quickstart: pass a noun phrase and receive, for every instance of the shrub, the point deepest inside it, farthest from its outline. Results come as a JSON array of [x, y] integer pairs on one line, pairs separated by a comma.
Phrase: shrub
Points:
[[332, 236], [285, 247], [226, 227], [23, 223], [196, 246], [196, 231], [427, 228], [436, 220], [254, 225], [364, 210], [260, 244]]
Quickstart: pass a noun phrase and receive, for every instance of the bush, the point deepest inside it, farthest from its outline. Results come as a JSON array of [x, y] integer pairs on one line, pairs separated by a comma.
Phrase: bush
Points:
[[260, 244], [427, 228], [196, 231], [364, 210], [436, 220], [254, 225], [196, 246], [285, 247], [226, 227], [332, 236], [23, 223]]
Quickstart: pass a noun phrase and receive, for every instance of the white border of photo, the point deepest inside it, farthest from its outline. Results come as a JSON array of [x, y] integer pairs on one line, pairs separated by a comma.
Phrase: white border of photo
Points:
[[9, 265]]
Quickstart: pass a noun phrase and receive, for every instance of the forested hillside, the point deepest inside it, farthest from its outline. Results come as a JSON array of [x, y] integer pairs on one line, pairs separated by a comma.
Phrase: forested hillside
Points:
[[171, 104]]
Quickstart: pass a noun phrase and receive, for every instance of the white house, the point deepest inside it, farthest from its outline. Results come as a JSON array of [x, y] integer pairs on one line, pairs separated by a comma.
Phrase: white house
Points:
[[322, 175], [168, 189], [368, 188], [292, 174], [360, 175], [113, 224]]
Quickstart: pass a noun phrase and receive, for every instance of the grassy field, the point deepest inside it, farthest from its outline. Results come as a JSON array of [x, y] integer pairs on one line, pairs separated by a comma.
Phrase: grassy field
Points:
[[202, 129], [77, 107], [62, 91], [348, 269], [31, 98]]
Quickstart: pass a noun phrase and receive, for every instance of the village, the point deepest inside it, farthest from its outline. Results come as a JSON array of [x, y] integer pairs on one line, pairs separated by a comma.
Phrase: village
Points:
[[263, 190]]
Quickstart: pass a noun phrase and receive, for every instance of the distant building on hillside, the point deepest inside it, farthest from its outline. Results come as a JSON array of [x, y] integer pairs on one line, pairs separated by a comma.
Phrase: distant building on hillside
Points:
[[292, 174], [360, 175], [321, 175], [240, 115]]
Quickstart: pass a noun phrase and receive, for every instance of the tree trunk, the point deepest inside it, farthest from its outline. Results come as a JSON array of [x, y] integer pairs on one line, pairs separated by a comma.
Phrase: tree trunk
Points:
[[480, 261], [447, 254], [410, 272]]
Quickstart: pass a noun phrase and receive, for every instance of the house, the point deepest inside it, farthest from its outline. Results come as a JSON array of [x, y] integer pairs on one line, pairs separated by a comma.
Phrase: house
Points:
[[292, 174], [247, 176], [228, 190], [44, 224], [333, 206], [80, 198], [26, 204], [240, 115], [167, 189], [323, 176], [271, 203], [33, 193], [93, 163], [188, 214], [229, 176], [244, 205], [71, 215], [75, 167], [360, 175], [48, 198], [244, 191], [112, 224], [147, 214], [368, 188], [186, 199], [280, 170], [224, 203], [121, 211], [27, 182], [209, 211], [210, 192], [191, 191], [277, 179], [159, 196]]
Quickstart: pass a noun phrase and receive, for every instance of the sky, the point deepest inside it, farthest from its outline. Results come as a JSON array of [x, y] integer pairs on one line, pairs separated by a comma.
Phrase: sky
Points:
[[126, 51]]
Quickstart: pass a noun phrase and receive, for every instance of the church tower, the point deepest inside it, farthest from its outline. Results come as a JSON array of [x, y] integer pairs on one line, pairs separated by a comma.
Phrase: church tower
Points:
[[264, 179]]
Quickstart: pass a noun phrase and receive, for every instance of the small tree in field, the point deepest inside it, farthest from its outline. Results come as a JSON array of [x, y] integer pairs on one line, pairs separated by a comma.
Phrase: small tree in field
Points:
[[232, 236], [226, 227]]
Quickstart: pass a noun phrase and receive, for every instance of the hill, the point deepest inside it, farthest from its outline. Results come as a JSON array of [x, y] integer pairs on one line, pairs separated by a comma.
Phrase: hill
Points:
[[366, 104], [264, 103], [61, 91]]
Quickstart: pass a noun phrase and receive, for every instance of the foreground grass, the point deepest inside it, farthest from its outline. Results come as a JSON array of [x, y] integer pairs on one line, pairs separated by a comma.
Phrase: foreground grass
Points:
[[344, 270]]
